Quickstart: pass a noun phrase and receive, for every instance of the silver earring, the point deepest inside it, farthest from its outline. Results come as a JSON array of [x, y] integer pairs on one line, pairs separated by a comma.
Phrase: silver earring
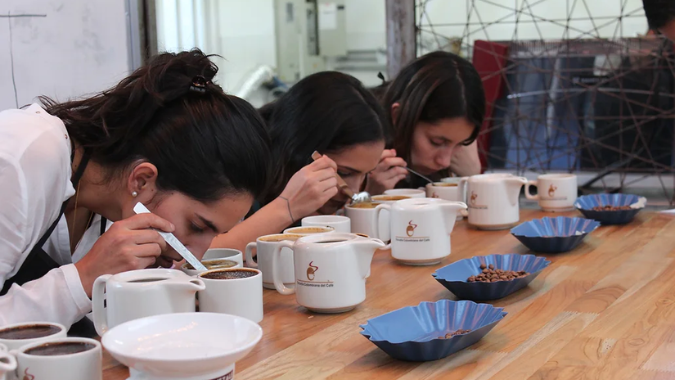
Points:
[[134, 194]]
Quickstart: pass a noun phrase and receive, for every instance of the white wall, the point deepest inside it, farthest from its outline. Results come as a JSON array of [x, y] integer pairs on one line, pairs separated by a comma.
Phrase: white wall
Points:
[[80, 47], [366, 24]]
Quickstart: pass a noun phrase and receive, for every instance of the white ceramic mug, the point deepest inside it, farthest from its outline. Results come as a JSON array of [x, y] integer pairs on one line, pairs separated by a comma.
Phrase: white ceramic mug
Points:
[[412, 193], [142, 293], [493, 200], [365, 220], [42, 331], [7, 363], [306, 231], [555, 192], [330, 270], [242, 297], [264, 247], [85, 365], [420, 229], [450, 191], [339, 223], [225, 253]]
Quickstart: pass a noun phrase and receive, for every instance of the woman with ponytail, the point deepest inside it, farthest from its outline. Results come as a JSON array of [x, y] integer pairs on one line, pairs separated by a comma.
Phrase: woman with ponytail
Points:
[[436, 106], [165, 136]]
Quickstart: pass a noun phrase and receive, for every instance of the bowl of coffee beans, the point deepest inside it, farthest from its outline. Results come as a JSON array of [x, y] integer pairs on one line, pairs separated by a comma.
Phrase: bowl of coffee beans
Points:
[[554, 235], [610, 208], [483, 278], [432, 330]]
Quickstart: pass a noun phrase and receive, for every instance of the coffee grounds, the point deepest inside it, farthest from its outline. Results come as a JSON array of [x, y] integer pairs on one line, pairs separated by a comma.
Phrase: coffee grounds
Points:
[[611, 208], [230, 274], [490, 274], [451, 334]]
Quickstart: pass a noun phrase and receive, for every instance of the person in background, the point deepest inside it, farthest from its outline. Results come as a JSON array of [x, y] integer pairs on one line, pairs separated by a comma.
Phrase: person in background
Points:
[[165, 136], [661, 16], [328, 112], [436, 106]]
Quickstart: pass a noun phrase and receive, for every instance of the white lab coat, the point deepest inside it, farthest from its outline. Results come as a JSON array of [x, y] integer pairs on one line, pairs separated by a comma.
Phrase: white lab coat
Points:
[[35, 171]]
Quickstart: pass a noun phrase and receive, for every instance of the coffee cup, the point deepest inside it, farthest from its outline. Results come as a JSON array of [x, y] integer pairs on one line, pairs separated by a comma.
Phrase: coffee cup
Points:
[[142, 293], [7, 363], [330, 270], [421, 228], [210, 264], [225, 253], [306, 231], [339, 223], [364, 218], [411, 193], [236, 291], [62, 358], [20, 334], [555, 192], [450, 191], [264, 247]]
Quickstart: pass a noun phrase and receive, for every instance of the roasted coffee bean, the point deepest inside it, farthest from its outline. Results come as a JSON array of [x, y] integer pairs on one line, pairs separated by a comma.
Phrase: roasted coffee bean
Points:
[[611, 208], [490, 274], [451, 334]]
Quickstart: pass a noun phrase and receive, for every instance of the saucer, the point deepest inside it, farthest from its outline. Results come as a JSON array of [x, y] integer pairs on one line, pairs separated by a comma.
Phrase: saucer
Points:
[[182, 345]]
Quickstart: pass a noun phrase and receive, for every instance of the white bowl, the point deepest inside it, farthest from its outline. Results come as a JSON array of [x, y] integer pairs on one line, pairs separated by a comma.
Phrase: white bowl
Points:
[[182, 345]]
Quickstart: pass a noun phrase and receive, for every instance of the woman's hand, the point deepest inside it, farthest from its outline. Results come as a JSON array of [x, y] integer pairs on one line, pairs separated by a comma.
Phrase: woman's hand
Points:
[[310, 188], [390, 171], [129, 244]]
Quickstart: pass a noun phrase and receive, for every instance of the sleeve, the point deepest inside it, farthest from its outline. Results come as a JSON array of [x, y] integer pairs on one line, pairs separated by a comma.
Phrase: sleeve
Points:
[[26, 207], [465, 161]]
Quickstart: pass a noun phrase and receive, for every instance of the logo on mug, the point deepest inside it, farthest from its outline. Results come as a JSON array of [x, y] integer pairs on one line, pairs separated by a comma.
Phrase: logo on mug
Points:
[[410, 230], [551, 191], [434, 195], [310, 271], [27, 376], [474, 196]]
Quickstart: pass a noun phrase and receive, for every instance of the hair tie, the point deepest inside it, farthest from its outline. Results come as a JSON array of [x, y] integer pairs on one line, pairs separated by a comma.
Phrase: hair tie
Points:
[[199, 84], [381, 76]]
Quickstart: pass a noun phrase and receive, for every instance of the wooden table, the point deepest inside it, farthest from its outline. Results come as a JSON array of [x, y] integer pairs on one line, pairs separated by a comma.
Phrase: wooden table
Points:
[[603, 311]]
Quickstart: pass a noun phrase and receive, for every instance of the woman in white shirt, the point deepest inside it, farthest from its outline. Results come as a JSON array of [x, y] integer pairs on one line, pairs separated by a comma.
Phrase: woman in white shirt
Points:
[[165, 136], [436, 106]]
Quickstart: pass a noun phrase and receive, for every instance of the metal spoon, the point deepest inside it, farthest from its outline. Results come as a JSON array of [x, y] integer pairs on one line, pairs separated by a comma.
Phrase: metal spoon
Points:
[[418, 174], [362, 197]]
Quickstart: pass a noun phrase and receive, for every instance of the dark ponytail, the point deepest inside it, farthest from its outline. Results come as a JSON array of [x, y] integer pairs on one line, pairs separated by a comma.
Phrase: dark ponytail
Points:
[[203, 142]]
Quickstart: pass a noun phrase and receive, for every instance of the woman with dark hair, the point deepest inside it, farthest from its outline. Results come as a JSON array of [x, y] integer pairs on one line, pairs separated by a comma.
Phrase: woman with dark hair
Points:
[[330, 113], [165, 136], [436, 106]]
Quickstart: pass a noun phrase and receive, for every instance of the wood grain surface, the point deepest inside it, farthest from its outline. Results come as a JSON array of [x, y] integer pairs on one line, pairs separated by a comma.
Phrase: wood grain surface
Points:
[[603, 311]]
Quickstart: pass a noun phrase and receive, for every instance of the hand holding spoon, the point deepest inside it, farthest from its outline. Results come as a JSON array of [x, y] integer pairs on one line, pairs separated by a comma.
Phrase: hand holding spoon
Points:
[[361, 197]]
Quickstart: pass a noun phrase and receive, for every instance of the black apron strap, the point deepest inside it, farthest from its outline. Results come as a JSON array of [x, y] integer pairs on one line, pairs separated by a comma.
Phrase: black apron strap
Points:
[[38, 263]]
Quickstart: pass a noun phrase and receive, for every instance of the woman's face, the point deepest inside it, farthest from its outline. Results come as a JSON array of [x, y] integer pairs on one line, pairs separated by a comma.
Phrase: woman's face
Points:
[[353, 163], [433, 143], [198, 223]]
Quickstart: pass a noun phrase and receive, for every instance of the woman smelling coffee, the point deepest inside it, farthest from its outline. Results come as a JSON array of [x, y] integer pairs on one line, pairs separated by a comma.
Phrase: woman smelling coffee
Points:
[[328, 112], [436, 105], [165, 136]]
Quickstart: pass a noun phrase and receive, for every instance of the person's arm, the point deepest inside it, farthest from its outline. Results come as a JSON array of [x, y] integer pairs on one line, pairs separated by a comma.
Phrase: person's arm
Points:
[[465, 161], [309, 189]]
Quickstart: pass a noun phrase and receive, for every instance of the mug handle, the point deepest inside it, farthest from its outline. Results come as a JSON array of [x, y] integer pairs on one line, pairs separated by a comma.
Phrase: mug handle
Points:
[[529, 195], [9, 363], [276, 267], [375, 222], [97, 299], [249, 254], [463, 182]]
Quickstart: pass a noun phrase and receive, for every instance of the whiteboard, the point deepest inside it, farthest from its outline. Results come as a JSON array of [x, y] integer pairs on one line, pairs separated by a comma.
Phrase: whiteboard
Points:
[[63, 49]]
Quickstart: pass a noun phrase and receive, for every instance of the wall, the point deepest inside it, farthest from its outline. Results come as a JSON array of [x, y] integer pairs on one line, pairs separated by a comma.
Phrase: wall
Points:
[[78, 47]]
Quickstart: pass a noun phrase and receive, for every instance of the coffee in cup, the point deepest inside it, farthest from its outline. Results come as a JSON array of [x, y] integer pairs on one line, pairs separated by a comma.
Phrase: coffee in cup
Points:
[[389, 198], [60, 348], [214, 264], [337, 222], [224, 253], [236, 291], [20, 334], [364, 205], [77, 359], [279, 237], [305, 231]]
